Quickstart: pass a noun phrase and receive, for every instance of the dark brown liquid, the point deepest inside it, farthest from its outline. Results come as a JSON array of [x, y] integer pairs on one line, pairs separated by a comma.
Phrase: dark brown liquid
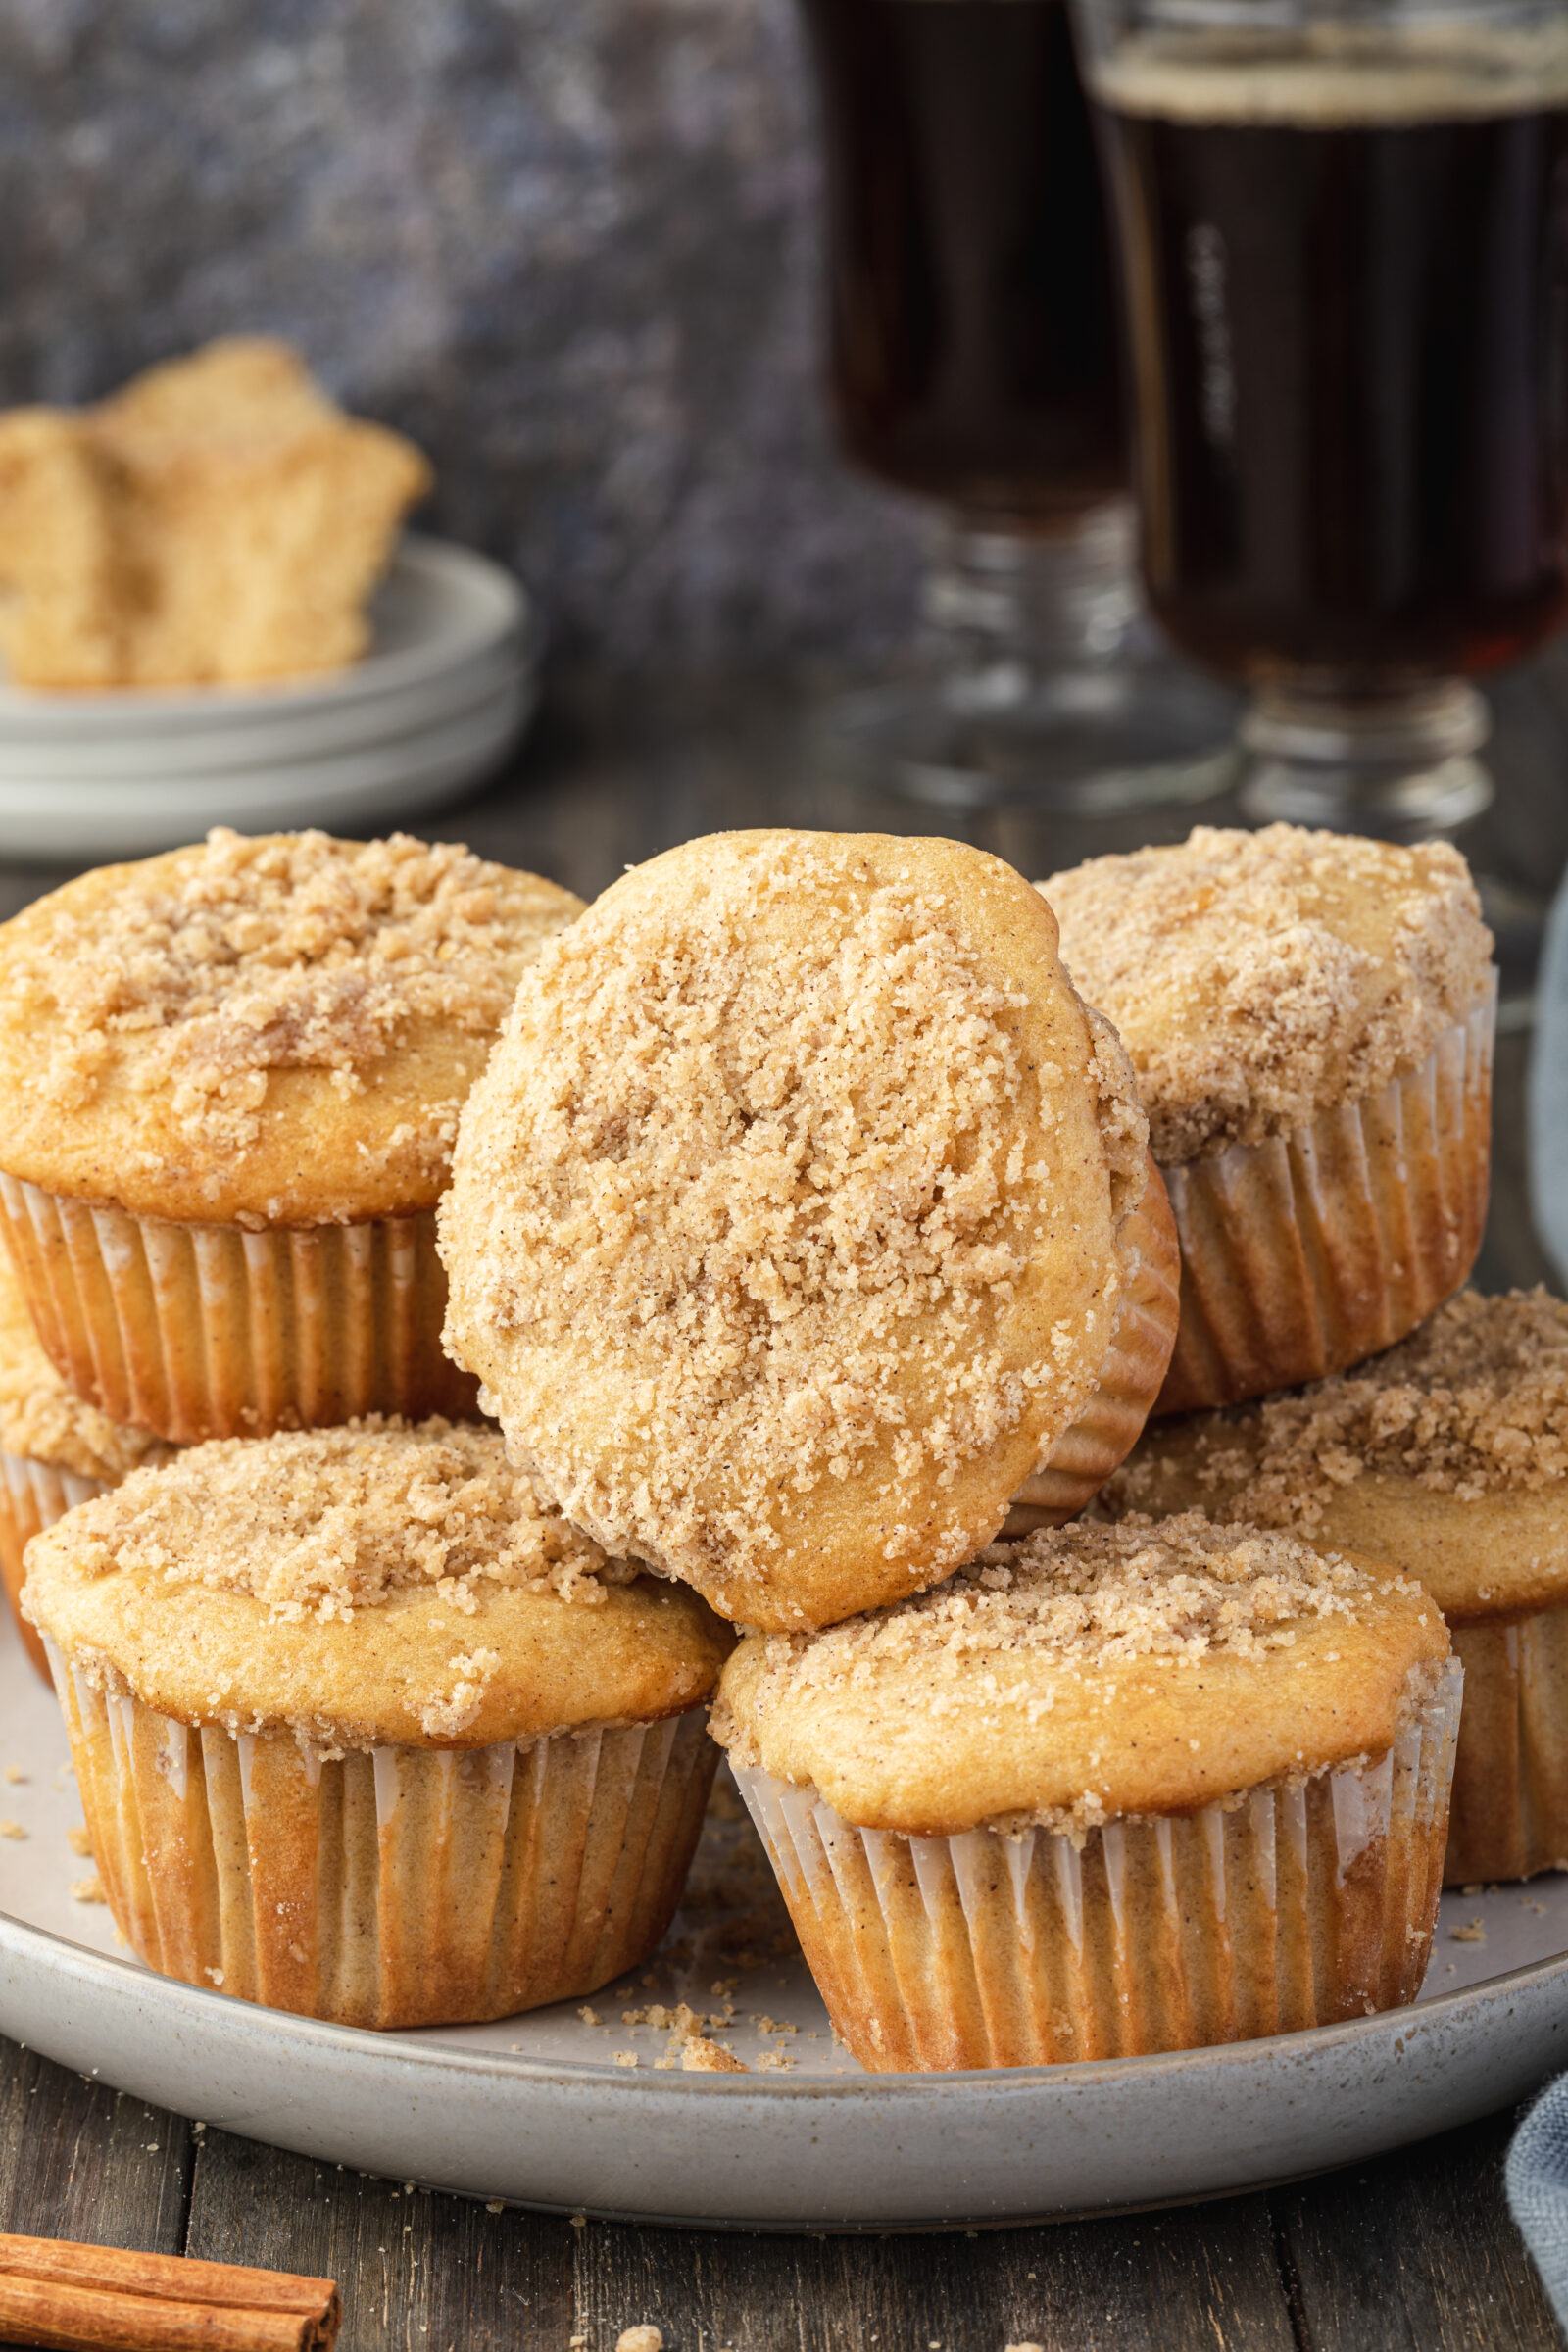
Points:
[[972, 314], [1350, 358]]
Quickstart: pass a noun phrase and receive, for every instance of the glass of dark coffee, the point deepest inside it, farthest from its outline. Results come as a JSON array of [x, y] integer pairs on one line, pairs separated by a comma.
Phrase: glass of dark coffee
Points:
[[974, 361], [1343, 238]]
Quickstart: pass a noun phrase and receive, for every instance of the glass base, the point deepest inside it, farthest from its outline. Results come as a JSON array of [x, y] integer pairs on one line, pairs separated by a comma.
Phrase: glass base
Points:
[[1044, 685], [1402, 766], [1080, 743]]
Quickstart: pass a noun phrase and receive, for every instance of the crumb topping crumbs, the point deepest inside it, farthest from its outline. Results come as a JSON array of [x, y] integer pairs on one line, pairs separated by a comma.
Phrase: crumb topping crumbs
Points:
[[1476, 1399], [285, 951], [318, 1523], [1260, 978], [1079, 1600], [51, 1425], [791, 1187], [701, 2056]]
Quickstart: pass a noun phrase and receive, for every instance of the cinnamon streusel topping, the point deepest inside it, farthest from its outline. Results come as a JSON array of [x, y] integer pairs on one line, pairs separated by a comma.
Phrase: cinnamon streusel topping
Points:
[[1089, 1671], [1260, 978], [318, 1523], [379, 1582], [185, 998], [291, 952], [1473, 1402], [1082, 1597], [787, 1211]]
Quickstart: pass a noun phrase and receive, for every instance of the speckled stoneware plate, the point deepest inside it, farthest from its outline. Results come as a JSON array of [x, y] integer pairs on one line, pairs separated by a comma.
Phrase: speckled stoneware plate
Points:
[[546, 2109], [446, 688]]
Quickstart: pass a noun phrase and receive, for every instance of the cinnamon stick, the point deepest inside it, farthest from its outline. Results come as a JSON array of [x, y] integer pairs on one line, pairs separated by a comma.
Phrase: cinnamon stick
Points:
[[77, 2298]]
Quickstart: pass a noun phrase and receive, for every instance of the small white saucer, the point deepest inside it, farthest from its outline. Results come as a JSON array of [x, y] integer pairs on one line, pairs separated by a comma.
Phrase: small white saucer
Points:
[[433, 707]]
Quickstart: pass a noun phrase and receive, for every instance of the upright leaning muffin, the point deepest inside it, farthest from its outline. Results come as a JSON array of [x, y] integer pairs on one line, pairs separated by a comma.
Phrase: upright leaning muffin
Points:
[[55, 1450], [232, 1076], [363, 1732], [786, 1222], [1310, 1019], [1107, 1792], [1448, 1457]]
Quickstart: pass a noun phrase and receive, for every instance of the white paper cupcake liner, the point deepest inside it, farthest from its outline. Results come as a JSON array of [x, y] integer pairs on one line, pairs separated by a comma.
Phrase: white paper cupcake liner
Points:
[[397, 1886], [1136, 1361], [1294, 1906], [33, 1496], [211, 1331], [1306, 1254], [1510, 1782]]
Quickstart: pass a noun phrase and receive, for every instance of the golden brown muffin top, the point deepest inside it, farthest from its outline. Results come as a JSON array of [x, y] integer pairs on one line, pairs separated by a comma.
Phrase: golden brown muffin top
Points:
[[1447, 1456], [784, 1221], [377, 1582], [45, 1421], [1086, 1673], [269, 1030], [1260, 978]]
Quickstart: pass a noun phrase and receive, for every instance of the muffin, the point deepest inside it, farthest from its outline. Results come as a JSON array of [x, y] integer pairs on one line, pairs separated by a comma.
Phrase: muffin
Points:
[[55, 1451], [1108, 1791], [785, 1222], [363, 1732], [232, 1076], [1448, 1457], [217, 519], [1310, 1020]]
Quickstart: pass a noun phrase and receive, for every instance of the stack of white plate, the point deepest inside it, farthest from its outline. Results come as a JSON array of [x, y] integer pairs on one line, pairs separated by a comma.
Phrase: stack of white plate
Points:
[[444, 691]]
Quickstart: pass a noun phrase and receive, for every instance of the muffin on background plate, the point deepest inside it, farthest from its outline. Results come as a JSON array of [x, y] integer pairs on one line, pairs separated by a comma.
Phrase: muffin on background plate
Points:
[[362, 1733], [232, 1077], [55, 1450], [1448, 1457], [1110, 1790], [786, 1222], [1310, 1019], [218, 519]]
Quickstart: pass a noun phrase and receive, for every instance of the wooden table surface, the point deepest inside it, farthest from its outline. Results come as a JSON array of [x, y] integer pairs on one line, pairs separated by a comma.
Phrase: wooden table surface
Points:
[[1415, 2250]]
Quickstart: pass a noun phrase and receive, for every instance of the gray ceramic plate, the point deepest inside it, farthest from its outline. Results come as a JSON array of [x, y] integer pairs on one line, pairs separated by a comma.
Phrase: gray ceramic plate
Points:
[[430, 713], [538, 2110]]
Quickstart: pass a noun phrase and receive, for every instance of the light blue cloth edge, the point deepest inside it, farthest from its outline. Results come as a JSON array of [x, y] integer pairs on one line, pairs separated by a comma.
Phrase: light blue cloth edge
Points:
[[1537, 2179]]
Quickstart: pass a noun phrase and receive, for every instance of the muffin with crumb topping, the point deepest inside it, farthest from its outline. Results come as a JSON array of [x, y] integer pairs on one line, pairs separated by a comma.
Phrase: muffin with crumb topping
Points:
[[55, 1450], [788, 1222], [1110, 1790], [364, 1733], [1310, 1019], [232, 1077], [1448, 1457]]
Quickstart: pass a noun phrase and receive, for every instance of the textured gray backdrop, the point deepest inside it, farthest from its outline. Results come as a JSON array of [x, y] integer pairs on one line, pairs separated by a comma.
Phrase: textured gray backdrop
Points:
[[569, 245]]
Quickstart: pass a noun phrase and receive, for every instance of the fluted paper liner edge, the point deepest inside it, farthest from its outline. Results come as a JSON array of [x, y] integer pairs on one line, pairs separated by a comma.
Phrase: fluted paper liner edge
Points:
[[1130, 1377], [212, 1331], [1294, 1906], [1306, 1254], [1511, 1781], [34, 1494], [394, 1886]]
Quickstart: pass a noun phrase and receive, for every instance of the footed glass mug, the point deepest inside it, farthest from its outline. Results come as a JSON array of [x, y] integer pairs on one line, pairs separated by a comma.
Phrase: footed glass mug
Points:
[[973, 361], [1343, 236]]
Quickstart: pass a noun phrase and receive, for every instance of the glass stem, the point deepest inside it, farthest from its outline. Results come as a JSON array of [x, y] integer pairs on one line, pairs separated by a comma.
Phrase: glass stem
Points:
[[1401, 765], [1008, 607]]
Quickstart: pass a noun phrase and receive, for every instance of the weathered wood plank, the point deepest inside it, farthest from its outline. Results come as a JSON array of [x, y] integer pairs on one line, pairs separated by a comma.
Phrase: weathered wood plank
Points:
[[80, 2160], [418, 2273], [1416, 2253], [1203, 2281]]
